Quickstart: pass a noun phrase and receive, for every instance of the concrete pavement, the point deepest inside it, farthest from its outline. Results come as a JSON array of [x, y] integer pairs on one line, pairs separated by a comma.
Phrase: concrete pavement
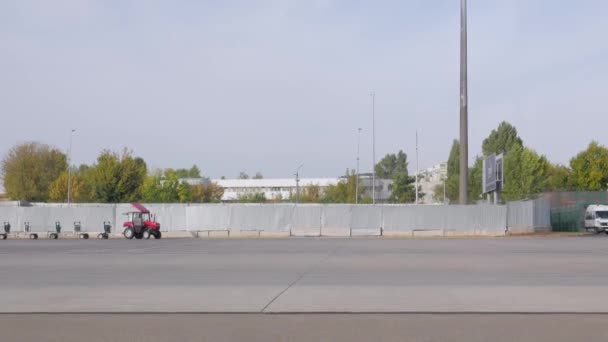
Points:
[[523, 275]]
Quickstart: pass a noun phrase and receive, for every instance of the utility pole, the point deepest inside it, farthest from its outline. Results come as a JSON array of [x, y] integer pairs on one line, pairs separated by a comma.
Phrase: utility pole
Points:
[[70, 165], [373, 95], [298, 183], [464, 110], [417, 201], [357, 182]]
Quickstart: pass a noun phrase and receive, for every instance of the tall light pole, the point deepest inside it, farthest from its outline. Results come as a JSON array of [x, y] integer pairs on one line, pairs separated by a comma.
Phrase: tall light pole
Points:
[[70, 165], [464, 110], [373, 95], [417, 167], [297, 174], [357, 181]]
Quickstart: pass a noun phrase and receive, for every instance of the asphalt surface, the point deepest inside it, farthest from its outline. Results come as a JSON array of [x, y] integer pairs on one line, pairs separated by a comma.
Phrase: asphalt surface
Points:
[[305, 328], [500, 289], [502, 275]]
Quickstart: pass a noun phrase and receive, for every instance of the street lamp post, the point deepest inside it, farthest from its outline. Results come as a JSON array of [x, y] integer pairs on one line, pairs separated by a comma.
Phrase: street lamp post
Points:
[[357, 181], [297, 174], [70, 165], [373, 95], [417, 200], [464, 138]]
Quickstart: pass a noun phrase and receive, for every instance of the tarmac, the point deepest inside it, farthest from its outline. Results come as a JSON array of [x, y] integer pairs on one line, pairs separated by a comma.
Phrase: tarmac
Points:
[[416, 283]]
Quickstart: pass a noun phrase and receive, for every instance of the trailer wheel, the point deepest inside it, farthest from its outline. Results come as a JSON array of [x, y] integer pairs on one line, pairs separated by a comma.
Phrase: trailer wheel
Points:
[[129, 233], [157, 235], [2, 236], [53, 236], [33, 236], [84, 236]]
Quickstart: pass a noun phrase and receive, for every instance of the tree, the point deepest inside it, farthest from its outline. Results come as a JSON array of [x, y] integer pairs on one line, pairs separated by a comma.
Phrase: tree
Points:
[[308, 194], [243, 175], [258, 197], [80, 191], [194, 172], [258, 175], [590, 168], [394, 167], [344, 191], [29, 170], [452, 181], [207, 193], [525, 173], [501, 140], [476, 179], [403, 191], [558, 178], [118, 178]]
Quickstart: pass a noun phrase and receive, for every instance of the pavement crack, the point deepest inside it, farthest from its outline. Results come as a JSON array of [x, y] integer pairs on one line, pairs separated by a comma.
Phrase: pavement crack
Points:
[[302, 275]]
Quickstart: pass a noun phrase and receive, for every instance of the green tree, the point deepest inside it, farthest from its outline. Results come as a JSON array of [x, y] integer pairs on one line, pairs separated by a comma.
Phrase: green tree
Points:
[[194, 172], [476, 179], [80, 191], [343, 192], [403, 190], [258, 197], [501, 140], [394, 167], [29, 170], [558, 178], [118, 178], [452, 181], [209, 192], [243, 175], [525, 173], [590, 168], [308, 194], [258, 175]]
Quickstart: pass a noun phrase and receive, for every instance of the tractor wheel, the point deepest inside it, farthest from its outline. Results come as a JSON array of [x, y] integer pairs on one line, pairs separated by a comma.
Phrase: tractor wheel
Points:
[[146, 234], [129, 233], [139, 236], [157, 235]]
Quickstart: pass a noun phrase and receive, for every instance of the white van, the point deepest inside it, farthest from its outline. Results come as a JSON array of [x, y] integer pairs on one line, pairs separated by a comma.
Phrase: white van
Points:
[[596, 219]]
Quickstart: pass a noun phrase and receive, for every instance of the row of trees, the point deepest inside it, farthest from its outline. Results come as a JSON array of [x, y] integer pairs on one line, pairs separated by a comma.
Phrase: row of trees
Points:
[[38, 173], [526, 173]]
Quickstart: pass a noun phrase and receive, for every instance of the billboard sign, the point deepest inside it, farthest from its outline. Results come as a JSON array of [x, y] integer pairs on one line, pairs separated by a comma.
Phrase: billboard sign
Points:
[[489, 182]]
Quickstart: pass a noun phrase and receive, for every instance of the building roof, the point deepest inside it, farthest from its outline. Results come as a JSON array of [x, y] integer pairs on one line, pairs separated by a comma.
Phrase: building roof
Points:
[[275, 182]]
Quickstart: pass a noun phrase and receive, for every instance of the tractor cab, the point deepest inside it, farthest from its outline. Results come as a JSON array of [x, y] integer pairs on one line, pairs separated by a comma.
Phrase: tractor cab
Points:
[[141, 224]]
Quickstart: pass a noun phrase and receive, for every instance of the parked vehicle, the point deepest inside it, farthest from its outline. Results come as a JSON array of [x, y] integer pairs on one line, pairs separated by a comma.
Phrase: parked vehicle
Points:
[[140, 224], [596, 219]]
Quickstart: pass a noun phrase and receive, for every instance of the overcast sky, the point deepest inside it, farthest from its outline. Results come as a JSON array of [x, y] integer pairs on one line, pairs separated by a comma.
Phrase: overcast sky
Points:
[[268, 85]]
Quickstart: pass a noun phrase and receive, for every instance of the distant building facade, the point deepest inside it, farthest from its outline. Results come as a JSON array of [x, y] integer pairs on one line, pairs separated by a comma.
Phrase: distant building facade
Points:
[[429, 179], [282, 189]]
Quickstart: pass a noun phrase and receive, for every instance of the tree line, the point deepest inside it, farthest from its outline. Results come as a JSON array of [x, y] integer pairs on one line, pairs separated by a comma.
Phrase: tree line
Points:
[[37, 172], [527, 173]]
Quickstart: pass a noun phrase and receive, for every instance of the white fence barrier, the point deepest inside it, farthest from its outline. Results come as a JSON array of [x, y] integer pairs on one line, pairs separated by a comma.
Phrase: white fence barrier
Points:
[[298, 220]]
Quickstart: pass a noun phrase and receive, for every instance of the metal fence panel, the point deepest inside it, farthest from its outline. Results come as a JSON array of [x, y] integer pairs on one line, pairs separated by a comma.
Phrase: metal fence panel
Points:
[[366, 220], [260, 217], [208, 217], [336, 216], [42, 219]]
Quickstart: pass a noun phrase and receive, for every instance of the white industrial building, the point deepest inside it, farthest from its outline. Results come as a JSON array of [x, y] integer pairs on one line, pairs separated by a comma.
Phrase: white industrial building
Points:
[[284, 188]]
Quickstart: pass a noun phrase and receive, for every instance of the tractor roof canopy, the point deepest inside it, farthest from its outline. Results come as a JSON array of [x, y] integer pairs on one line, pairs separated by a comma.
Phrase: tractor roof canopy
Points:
[[140, 208]]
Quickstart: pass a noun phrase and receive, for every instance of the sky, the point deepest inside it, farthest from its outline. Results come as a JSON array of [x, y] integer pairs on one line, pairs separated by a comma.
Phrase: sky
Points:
[[243, 85]]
